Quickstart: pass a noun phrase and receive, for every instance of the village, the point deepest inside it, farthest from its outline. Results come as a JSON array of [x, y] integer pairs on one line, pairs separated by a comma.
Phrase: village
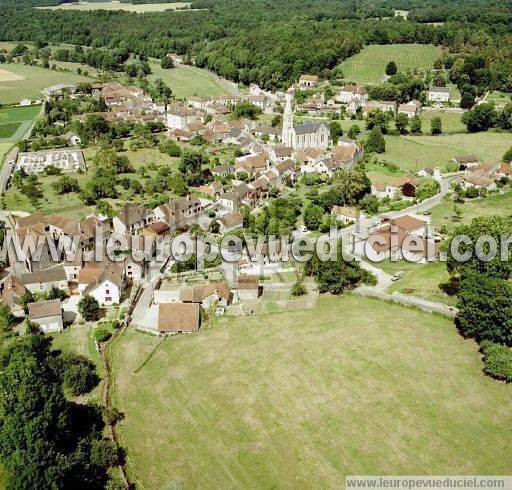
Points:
[[269, 162]]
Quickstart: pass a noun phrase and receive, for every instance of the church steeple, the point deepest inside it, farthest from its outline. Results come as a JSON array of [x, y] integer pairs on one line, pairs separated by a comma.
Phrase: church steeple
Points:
[[287, 135]]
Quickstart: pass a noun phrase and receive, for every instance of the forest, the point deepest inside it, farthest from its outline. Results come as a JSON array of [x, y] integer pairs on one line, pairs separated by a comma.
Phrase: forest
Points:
[[272, 43]]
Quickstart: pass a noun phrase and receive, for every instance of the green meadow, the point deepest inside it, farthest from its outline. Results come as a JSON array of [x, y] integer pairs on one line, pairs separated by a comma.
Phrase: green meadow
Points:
[[369, 65], [355, 386], [19, 81]]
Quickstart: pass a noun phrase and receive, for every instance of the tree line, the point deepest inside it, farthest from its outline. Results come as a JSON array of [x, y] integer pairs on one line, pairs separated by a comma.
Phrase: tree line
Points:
[[269, 44]]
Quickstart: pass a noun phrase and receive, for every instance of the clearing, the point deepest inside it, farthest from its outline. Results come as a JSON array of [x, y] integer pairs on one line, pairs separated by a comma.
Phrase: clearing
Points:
[[187, 81], [355, 386], [32, 80], [369, 66], [129, 7]]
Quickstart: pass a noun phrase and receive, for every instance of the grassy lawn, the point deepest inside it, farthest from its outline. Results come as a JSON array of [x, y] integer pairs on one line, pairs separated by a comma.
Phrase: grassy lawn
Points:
[[18, 81], [451, 121], [421, 280], [416, 152], [499, 98], [138, 8], [495, 204], [369, 65], [7, 130], [188, 81], [355, 386], [14, 121], [4, 149]]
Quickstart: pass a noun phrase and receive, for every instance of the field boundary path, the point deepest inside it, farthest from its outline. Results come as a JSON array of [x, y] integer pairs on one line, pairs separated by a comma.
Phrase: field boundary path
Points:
[[406, 300]]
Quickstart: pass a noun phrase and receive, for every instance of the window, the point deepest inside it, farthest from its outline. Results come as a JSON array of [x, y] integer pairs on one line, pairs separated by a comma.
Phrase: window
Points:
[[108, 299]]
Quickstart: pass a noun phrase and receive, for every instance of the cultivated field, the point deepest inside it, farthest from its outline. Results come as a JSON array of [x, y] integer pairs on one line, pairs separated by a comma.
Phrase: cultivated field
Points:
[[138, 8], [416, 152], [355, 386], [369, 65], [187, 81], [494, 205], [16, 120], [30, 80]]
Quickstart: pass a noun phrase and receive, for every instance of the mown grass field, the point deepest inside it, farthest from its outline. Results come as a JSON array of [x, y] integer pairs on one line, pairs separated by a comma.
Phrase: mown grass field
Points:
[[187, 81], [420, 280], [4, 149], [13, 118], [495, 204], [138, 8], [369, 65], [355, 386], [18, 81], [417, 152]]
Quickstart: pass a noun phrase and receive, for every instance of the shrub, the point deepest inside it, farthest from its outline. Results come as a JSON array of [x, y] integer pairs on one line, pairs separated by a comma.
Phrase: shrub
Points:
[[298, 289], [102, 334], [497, 361]]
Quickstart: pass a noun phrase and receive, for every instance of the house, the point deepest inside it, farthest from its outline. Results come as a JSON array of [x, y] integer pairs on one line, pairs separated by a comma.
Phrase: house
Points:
[[308, 81], [383, 105], [45, 279], [380, 190], [346, 215], [103, 281], [47, 315], [73, 265], [156, 229], [72, 138], [215, 188], [25, 102], [405, 185], [280, 153], [353, 96], [287, 171], [221, 170], [248, 287], [259, 101], [412, 108], [435, 172], [347, 153], [438, 94], [231, 221], [132, 219], [12, 291], [272, 134], [411, 225], [59, 90], [179, 116], [395, 242], [466, 161], [479, 182], [504, 170], [178, 212], [206, 295], [178, 318], [180, 135]]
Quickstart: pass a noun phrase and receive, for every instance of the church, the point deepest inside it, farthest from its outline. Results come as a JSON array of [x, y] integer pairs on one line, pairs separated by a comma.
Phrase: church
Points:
[[302, 136]]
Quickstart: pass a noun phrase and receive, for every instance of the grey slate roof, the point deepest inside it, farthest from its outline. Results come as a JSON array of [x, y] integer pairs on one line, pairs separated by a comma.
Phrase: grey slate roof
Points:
[[308, 127]]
